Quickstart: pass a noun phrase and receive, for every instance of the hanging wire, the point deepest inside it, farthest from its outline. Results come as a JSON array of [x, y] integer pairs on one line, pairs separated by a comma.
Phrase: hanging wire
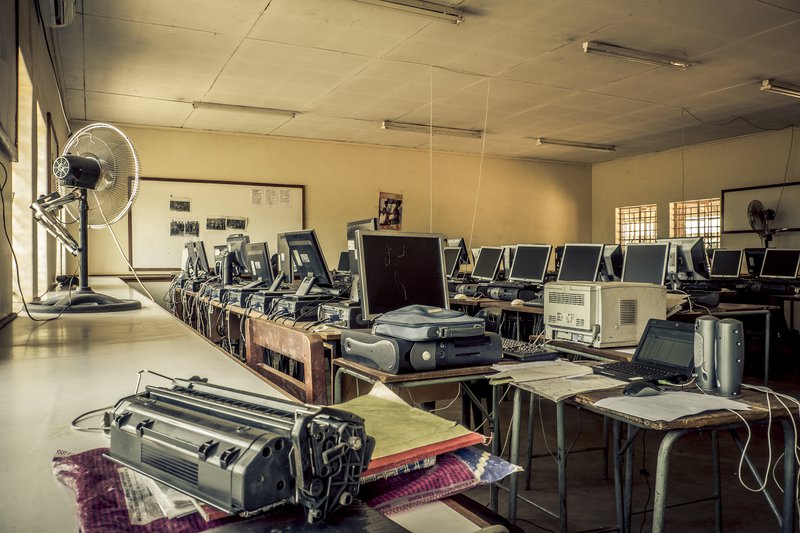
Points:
[[480, 166]]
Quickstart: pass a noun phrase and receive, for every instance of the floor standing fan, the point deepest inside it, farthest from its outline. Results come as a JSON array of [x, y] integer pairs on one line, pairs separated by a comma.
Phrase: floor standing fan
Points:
[[97, 181]]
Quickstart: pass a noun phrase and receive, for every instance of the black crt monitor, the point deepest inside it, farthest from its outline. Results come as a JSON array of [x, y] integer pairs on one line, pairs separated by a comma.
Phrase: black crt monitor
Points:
[[307, 258], [368, 224], [646, 263], [344, 262], [400, 269], [452, 260], [530, 263], [580, 262], [753, 259], [611, 265], [726, 263], [462, 246], [692, 258], [780, 263], [257, 258], [487, 266], [235, 245], [202, 257]]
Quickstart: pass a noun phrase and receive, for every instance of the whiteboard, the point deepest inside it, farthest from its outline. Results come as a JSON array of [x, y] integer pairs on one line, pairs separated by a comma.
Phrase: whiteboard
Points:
[[163, 204], [735, 202]]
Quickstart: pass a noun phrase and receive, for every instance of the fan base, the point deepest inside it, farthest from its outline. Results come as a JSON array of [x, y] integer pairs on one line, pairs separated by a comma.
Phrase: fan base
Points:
[[84, 302]]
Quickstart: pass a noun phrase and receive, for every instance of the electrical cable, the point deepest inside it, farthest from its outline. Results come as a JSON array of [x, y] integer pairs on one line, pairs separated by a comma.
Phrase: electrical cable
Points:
[[785, 172], [480, 164], [646, 475], [74, 424]]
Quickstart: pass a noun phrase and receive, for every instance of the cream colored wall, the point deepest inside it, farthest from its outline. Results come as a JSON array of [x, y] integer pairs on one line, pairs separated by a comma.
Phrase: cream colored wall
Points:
[[696, 172], [520, 201]]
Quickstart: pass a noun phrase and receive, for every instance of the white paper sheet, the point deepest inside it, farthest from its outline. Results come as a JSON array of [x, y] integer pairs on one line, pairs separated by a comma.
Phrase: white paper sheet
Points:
[[669, 406], [540, 370], [560, 388]]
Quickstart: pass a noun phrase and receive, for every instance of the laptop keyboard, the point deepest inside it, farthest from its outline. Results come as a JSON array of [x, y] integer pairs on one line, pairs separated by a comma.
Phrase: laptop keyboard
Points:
[[647, 373]]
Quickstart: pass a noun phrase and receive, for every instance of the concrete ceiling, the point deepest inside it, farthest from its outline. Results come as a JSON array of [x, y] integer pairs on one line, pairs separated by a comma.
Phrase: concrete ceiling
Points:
[[345, 66]]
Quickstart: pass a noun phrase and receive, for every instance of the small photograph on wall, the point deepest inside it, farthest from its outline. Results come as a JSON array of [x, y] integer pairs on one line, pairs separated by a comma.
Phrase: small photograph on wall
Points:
[[177, 228], [183, 205], [390, 210], [236, 223], [215, 223], [192, 228]]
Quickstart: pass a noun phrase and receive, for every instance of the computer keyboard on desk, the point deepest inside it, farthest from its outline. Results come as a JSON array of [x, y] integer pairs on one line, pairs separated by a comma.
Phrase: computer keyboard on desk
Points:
[[647, 373], [526, 351], [534, 303]]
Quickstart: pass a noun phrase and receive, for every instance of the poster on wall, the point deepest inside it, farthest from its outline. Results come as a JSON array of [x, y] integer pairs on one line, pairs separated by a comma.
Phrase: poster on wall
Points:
[[390, 210]]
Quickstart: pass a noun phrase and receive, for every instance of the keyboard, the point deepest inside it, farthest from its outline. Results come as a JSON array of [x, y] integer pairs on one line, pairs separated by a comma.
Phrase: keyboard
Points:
[[623, 369], [526, 351], [534, 303]]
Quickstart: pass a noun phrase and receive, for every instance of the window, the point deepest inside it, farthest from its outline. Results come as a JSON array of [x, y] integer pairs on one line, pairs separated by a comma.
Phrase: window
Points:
[[637, 223], [696, 218]]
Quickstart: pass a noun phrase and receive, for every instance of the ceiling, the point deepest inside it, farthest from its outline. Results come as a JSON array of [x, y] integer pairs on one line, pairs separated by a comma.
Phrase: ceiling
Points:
[[514, 68]]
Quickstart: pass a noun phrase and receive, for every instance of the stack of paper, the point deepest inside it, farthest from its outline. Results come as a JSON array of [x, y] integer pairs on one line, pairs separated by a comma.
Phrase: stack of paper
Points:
[[537, 371], [669, 406]]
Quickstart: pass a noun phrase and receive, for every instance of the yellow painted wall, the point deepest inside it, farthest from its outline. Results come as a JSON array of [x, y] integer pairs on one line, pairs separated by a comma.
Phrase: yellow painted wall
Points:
[[520, 201], [695, 172]]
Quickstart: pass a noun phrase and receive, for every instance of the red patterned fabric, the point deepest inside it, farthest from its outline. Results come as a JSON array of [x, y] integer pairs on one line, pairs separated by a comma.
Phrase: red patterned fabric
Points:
[[101, 501]]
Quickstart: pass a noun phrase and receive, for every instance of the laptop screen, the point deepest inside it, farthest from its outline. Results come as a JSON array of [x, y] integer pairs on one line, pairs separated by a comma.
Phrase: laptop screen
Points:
[[667, 345]]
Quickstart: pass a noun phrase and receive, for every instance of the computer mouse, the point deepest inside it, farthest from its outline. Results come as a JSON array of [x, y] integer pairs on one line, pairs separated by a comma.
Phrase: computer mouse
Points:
[[517, 302], [641, 388], [460, 296]]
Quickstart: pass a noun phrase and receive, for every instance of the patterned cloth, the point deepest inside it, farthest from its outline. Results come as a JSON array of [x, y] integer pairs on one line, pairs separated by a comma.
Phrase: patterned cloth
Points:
[[101, 502]]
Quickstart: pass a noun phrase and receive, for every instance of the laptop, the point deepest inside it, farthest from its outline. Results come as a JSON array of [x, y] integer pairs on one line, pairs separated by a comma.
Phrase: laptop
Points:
[[665, 351]]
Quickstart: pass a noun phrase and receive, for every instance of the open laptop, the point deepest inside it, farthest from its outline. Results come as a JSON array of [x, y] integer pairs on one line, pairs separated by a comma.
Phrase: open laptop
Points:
[[665, 351]]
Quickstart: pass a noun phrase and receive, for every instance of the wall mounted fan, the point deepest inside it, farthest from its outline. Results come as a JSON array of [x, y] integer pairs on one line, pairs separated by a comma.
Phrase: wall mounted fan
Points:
[[761, 219], [97, 178]]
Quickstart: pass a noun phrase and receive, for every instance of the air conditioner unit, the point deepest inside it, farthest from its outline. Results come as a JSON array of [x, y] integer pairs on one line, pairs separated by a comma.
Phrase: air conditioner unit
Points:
[[58, 13]]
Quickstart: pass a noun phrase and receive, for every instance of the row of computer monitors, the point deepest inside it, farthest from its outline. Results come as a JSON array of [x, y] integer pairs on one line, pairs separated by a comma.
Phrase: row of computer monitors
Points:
[[680, 259]]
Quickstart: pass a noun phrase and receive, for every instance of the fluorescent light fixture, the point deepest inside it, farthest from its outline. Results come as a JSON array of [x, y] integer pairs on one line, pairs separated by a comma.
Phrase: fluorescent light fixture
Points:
[[780, 88], [424, 128], [594, 47], [575, 144], [214, 106], [421, 7]]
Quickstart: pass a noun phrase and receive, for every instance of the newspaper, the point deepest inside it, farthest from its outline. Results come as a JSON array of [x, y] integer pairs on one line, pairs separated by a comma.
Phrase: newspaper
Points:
[[142, 506]]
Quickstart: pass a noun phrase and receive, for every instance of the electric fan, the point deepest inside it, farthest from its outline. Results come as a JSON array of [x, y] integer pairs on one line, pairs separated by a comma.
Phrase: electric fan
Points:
[[97, 181], [761, 220]]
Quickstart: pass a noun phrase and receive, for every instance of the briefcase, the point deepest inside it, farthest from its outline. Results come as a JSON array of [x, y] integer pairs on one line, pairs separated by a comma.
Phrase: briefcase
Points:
[[427, 323]]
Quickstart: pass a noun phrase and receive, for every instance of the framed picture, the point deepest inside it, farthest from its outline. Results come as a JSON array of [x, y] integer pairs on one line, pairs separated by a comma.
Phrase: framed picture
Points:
[[390, 210]]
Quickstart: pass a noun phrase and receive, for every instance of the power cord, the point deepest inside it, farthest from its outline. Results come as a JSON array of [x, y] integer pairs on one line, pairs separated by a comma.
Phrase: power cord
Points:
[[644, 472]]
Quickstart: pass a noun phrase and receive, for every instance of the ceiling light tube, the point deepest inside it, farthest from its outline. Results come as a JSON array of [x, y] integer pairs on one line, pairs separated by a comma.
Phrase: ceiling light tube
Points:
[[421, 7], [780, 88], [424, 128], [575, 144], [214, 106], [629, 54]]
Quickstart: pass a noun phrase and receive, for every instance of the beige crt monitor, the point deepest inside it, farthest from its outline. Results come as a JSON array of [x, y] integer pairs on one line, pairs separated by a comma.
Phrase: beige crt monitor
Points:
[[601, 314]]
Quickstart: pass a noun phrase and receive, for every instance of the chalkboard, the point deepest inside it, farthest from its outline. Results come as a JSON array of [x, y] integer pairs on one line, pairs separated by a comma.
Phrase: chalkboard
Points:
[[169, 212]]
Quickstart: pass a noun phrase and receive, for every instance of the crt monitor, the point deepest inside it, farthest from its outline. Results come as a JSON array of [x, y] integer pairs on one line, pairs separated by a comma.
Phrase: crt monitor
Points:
[[462, 246], [487, 266], [452, 260], [611, 265], [285, 265], [202, 257], [400, 269], [646, 263], [780, 263], [236, 244], [753, 259], [306, 256], [256, 255], [509, 251], [691, 256], [368, 224], [191, 258], [530, 263], [344, 262], [580, 262], [726, 263]]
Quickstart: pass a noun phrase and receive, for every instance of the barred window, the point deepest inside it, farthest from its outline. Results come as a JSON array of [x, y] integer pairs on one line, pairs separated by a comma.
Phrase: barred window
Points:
[[696, 218], [637, 223]]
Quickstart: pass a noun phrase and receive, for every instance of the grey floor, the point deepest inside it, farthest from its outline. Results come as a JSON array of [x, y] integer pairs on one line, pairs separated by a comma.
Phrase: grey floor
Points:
[[591, 497]]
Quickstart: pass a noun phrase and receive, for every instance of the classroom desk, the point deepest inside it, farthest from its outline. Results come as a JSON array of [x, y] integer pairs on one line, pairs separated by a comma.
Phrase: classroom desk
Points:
[[52, 372]]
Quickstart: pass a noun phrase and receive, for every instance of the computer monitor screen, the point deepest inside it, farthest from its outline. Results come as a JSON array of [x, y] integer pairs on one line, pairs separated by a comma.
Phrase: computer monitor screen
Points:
[[726, 263], [488, 263], [191, 268], [236, 244], [306, 256], [256, 256], [452, 256], [580, 262], [368, 224], [218, 251], [202, 257], [753, 259], [509, 251], [344, 262], [691, 256], [462, 246], [400, 269], [611, 265], [530, 263], [780, 263], [284, 261], [646, 263]]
